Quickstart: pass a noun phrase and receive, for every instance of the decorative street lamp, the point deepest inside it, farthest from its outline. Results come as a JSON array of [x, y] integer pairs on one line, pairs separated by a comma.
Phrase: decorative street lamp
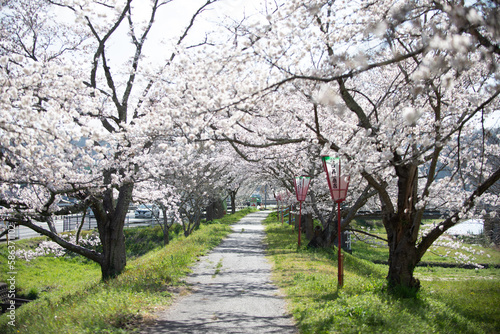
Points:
[[301, 184], [338, 185]]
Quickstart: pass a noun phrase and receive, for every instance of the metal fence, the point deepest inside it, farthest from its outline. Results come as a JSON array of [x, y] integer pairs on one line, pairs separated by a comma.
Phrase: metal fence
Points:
[[72, 222]]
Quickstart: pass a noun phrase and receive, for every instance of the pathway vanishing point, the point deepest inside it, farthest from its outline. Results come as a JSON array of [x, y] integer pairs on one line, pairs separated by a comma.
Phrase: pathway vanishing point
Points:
[[231, 290]]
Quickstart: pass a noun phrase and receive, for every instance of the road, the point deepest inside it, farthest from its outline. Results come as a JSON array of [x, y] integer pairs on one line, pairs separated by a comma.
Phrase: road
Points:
[[231, 289]]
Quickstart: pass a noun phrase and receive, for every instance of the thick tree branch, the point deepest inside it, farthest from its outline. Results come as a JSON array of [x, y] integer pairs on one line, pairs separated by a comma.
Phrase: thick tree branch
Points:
[[354, 106], [90, 254], [451, 221], [367, 193]]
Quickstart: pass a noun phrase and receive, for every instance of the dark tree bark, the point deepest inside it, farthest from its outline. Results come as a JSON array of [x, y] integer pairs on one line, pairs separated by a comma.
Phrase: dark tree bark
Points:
[[233, 201], [308, 226], [165, 226], [193, 217], [324, 237], [492, 228], [113, 244], [402, 230], [215, 209], [110, 215], [110, 223]]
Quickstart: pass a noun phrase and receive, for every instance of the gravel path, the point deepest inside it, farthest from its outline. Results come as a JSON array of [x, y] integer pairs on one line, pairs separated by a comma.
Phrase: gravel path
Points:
[[231, 290]]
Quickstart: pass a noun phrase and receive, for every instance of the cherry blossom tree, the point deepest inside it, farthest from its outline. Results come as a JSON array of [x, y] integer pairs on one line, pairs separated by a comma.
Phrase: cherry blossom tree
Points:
[[201, 180], [78, 114], [393, 88], [165, 196]]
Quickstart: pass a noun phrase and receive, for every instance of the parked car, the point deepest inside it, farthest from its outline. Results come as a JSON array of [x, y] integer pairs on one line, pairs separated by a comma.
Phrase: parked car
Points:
[[147, 211]]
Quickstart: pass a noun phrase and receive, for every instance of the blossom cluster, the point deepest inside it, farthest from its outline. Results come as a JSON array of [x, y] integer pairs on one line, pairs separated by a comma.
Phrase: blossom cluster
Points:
[[460, 252], [51, 248]]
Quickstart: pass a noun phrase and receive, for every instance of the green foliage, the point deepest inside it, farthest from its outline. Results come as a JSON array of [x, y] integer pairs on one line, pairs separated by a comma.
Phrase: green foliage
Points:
[[73, 299], [309, 279], [140, 240]]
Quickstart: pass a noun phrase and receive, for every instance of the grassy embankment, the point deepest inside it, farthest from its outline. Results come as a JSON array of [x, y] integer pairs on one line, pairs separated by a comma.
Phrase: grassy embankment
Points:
[[451, 300], [71, 298]]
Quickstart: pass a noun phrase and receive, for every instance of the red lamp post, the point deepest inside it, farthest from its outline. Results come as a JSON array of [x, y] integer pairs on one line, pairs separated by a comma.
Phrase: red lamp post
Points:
[[301, 184], [338, 185]]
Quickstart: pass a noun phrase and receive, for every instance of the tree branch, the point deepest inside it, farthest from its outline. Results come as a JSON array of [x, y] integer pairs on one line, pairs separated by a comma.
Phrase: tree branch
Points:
[[451, 221], [90, 254]]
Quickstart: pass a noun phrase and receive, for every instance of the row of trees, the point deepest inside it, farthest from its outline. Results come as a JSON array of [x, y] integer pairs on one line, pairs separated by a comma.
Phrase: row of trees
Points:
[[60, 88], [399, 90]]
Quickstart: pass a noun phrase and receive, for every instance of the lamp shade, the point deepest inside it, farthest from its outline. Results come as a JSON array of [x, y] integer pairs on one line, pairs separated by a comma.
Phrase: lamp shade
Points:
[[337, 182], [301, 184]]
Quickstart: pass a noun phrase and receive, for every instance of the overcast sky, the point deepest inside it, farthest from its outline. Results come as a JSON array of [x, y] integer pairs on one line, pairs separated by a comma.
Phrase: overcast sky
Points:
[[172, 20]]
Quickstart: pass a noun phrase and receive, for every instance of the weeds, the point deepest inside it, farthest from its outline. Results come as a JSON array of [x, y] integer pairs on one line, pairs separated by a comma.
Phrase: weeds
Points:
[[218, 268]]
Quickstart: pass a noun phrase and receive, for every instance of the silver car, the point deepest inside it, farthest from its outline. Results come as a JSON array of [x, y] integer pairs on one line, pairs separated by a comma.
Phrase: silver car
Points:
[[147, 211]]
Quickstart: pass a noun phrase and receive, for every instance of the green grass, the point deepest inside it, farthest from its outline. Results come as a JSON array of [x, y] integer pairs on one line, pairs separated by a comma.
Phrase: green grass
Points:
[[73, 299], [141, 240], [309, 280]]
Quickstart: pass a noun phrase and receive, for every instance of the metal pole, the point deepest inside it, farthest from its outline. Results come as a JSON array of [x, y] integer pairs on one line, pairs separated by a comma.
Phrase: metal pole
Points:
[[341, 279], [300, 218]]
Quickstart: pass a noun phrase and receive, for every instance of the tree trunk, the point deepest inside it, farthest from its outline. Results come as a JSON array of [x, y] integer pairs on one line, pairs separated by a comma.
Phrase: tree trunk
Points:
[[492, 227], [166, 238], [110, 223], [233, 201], [309, 226], [324, 238], [193, 222], [114, 254], [403, 258], [402, 263], [215, 210], [402, 232]]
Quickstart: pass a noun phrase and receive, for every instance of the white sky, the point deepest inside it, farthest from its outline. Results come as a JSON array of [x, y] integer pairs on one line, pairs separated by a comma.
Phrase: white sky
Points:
[[172, 19], [493, 120]]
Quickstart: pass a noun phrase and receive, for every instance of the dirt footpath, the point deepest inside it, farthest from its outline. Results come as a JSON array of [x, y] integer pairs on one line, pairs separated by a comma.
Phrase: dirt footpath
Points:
[[231, 290]]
